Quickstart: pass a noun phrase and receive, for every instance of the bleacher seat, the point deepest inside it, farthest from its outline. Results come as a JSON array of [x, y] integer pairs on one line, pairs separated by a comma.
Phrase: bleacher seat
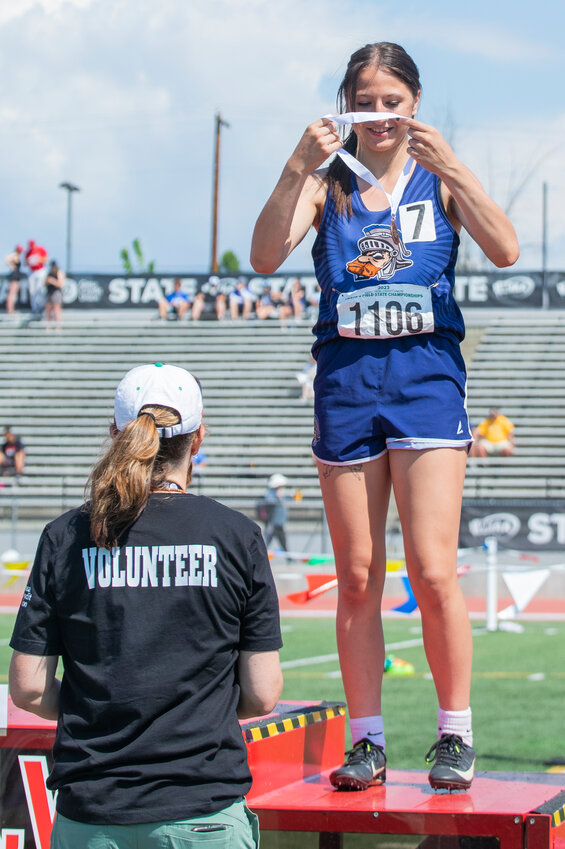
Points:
[[57, 391]]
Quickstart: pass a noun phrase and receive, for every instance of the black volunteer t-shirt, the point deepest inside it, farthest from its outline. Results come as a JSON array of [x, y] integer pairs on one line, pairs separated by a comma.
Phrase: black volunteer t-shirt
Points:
[[149, 634]]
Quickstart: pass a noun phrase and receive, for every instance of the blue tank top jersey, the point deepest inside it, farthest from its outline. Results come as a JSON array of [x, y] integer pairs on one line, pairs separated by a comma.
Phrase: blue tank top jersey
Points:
[[351, 253]]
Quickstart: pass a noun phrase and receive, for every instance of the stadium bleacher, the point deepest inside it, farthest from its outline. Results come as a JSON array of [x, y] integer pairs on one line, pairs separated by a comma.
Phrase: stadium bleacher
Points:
[[57, 389]]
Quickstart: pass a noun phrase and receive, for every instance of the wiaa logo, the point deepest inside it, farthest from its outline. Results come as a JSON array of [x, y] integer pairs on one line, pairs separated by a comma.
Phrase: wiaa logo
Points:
[[495, 525]]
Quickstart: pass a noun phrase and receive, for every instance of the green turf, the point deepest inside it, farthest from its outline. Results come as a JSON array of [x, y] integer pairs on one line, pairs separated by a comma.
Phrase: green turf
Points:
[[517, 720]]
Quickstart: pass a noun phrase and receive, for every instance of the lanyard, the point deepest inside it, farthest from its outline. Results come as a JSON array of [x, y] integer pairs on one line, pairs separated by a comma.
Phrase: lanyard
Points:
[[363, 172]]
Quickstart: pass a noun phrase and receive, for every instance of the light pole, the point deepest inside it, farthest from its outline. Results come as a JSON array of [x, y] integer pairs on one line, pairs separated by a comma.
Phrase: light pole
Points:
[[214, 267], [69, 188]]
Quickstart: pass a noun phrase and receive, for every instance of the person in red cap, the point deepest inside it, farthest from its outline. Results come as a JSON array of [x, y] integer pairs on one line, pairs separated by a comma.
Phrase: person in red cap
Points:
[[36, 259], [14, 260]]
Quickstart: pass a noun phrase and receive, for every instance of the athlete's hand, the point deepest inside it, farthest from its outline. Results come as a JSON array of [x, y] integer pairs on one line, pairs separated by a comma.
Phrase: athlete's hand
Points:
[[319, 141], [427, 146]]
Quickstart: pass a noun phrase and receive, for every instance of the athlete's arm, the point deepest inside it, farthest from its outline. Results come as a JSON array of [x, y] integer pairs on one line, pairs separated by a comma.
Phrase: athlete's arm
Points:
[[465, 200], [297, 199], [260, 681], [33, 685]]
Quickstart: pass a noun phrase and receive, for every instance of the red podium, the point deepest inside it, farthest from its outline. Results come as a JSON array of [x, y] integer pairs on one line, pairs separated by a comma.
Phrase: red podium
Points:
[[291, 754]]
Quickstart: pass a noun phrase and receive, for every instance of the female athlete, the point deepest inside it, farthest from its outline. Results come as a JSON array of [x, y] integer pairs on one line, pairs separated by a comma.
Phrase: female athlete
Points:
[[390, 389]]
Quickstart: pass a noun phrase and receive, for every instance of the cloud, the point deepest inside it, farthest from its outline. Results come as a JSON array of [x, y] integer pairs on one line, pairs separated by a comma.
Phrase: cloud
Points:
[[119, 97], [480, 38]]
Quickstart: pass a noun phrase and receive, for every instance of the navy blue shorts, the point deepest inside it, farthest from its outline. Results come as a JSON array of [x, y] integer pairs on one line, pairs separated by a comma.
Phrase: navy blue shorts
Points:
[[378, 394]]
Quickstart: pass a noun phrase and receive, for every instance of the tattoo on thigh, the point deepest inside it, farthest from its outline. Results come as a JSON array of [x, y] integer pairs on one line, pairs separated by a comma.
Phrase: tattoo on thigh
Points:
[[327, 471], [356, 470]]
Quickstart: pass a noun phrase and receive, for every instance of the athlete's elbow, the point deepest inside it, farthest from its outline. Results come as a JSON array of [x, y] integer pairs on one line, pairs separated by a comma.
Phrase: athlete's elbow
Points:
[[507, 252], [507, 257], [263, 263]]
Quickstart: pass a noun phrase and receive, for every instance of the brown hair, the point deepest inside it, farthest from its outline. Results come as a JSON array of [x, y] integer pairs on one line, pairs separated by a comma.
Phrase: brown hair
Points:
[[134, 465], [392, 58]]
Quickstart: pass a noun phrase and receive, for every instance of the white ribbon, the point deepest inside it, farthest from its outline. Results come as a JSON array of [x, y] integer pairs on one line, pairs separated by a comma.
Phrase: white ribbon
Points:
[[360, 169], [361, 117]]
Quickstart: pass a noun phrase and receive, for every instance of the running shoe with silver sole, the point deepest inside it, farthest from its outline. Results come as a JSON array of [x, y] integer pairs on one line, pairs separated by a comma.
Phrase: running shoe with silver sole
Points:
[[365, 766], [454, 765]]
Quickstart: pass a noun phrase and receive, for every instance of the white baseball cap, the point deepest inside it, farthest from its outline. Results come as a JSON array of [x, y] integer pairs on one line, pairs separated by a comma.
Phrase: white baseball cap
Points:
[[165, 386], [277, 480]]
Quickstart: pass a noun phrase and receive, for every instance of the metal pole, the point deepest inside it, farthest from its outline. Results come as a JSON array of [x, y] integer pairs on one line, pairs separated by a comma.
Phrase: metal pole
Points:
[[69, 188], [14, 522], [68, 262], [491, 545], [545, 293]]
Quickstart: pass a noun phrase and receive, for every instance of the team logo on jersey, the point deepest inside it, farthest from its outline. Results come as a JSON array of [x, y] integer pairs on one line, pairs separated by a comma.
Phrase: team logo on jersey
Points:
[[381, 254]]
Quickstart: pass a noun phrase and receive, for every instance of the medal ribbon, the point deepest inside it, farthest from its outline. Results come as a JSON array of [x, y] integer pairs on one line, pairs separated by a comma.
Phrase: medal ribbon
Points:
[[360, 169]]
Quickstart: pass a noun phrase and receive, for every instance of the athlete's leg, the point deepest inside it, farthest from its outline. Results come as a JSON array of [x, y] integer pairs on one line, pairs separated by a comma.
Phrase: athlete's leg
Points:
[[428, 487], [356, 502]]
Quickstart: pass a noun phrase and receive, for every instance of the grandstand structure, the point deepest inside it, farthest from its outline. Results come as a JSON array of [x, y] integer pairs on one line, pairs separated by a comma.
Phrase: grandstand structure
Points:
[[57, 394]]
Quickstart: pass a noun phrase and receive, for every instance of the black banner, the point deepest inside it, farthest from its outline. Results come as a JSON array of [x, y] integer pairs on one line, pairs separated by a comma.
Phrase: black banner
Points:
[[107, 291], [523, 525]]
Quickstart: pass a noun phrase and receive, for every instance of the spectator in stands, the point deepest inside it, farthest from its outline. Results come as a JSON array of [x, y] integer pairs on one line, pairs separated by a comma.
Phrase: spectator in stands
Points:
[[494, 437], [314, 302], [176, 303], [36, 259], [12, 454], [54, 283], [163, 608], [241, 300], [275, 500], [210, 299], [295, 303], [14, 261], [268, 304]]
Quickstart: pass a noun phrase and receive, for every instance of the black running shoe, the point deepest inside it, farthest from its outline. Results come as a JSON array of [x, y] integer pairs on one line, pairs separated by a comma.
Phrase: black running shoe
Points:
[[454, 765], [365, 766]]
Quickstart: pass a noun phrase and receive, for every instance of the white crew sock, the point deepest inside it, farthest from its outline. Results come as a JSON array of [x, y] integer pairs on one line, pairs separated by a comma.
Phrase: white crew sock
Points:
[[368, 727], [455, 722]]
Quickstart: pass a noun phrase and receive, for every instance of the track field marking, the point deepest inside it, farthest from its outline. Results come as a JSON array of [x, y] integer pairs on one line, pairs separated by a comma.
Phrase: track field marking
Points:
[[330, 658]]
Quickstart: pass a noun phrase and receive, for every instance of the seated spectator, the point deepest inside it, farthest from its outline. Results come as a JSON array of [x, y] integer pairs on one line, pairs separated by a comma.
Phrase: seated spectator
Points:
[[314, 302], [241, 300], [210, 299], [268, 304], [12, 454], [177, 303], [296, 302], [494, 436]]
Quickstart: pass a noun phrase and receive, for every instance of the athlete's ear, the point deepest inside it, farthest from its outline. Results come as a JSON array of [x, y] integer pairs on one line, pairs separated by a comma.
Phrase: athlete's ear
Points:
[[416, 103], [113, 430]]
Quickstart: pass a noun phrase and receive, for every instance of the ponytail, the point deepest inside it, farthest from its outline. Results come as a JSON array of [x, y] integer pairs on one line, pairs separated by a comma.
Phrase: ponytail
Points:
[[134, 465]]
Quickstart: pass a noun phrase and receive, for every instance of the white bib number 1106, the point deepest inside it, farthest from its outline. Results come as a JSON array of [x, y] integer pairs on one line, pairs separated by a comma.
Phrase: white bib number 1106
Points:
[[385, 312]]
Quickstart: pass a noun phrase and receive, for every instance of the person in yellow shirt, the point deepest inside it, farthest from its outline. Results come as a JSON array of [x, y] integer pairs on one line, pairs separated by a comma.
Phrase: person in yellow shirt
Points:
[[494, 436]]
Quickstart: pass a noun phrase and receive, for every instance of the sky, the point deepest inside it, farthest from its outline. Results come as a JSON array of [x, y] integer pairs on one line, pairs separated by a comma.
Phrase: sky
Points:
[[119, 97]]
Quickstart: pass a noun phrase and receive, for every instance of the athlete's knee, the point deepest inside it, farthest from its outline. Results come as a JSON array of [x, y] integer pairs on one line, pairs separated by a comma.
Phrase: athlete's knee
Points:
[[361, 584], [433, 585]]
